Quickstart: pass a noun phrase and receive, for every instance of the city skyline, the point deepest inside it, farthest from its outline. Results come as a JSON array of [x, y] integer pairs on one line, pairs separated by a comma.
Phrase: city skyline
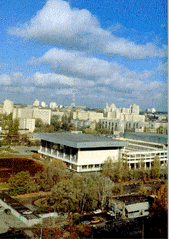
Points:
[[115, 52]]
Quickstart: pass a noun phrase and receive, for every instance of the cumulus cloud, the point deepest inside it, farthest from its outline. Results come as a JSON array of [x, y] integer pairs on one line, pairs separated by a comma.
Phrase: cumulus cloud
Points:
[[78, 65], [120, 88], [5, 79], [60, 25], [162, 68]]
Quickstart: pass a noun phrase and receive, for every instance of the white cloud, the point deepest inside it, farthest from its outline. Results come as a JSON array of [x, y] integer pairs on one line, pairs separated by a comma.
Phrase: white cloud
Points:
[[78, 65], [123, 88], [162, 68], [5, 80], [60, 25]]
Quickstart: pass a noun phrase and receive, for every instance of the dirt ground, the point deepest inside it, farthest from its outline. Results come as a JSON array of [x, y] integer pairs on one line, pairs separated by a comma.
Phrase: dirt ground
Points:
[[13, 165]]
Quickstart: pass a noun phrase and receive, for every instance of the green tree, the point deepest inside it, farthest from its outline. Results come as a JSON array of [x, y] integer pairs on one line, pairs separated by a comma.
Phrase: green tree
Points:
[[14, 126], [156, 166], [115, 170], [52, 174], [56, 122], [159, 212], [21, 183], [39, 123], [107, 168]]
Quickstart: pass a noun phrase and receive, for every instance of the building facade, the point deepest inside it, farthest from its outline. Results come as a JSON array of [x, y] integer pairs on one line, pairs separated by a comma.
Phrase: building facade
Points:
[[27, 124], [142, 154], [33, 113]]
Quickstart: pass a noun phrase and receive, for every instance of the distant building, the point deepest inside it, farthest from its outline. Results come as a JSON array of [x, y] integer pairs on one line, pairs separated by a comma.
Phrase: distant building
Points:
[[153, 110], [53, 105], [36, 103], [87, 115], [33, 113], [84, 123], [122, 125], [8, 107], [43, 104], [81, 152], [43, 114], [123, 114], [27, 124]]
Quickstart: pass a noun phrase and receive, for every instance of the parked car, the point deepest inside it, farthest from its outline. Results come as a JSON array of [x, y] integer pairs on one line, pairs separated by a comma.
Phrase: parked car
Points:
[[7, 211], [97, 211], [111, 213]]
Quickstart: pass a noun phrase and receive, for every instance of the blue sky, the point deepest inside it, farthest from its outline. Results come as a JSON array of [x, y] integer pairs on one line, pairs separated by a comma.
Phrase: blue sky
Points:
[[114, 51]]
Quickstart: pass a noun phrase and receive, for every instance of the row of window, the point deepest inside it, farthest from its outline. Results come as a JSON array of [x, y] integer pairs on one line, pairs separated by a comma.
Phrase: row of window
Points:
[[91, 166]]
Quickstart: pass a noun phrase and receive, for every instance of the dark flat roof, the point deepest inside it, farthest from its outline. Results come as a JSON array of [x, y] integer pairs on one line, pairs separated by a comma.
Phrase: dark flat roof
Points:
[[130, 199], [148, 137], [81, 140], [18, 206]]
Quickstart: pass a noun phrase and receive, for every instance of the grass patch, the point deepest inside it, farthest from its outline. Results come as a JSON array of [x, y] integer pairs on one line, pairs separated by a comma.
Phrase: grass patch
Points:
[[8, 149], [4, 185]]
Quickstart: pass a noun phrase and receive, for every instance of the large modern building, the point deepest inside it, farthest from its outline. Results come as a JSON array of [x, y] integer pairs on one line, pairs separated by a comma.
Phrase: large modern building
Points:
[[81, 152]]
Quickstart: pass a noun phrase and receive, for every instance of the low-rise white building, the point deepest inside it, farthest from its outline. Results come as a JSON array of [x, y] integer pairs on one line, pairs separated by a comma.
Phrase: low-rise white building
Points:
[[139, 153], [81, 152]]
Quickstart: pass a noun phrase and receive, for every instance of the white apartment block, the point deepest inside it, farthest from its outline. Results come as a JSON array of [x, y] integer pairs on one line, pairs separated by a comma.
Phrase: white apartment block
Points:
[[27, 124], [136, 126], [33, 113], [123, 114], [58, 113], [44, 114], [121, 125], [8, 107], [87, 115], [81, 152]]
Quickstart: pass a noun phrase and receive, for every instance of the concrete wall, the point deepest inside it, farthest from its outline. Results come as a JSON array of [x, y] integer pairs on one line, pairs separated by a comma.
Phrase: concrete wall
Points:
[[96, 156]]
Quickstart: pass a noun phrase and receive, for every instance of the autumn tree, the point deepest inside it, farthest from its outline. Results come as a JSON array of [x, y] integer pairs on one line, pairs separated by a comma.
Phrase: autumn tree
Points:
[[21, 183], [159, 212], [115, 170], [81, 193], [53, 173], [156, 166], [13, 126]]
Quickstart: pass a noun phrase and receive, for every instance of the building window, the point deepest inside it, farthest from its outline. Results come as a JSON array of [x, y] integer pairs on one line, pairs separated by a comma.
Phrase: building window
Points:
[[84, 166], [96, 165], [90, 166]]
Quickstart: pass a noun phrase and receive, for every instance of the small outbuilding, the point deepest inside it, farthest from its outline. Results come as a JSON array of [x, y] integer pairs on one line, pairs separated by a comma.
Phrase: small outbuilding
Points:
[[130, 206]]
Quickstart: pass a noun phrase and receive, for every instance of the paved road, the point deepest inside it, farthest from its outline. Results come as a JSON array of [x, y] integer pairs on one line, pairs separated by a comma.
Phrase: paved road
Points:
[[9, 221], [25, 149]]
